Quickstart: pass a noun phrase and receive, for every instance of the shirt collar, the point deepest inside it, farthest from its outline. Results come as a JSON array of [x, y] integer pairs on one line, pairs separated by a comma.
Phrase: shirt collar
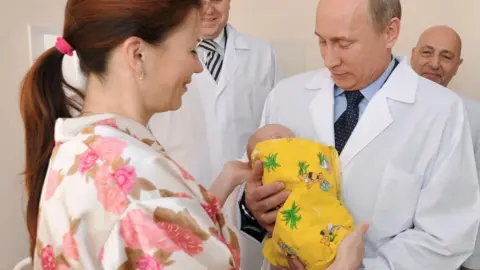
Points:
[[220, 39], [369, 91]]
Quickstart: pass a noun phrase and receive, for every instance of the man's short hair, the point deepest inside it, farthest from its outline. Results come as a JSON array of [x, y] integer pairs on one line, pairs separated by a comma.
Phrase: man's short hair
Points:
[[383, 11]]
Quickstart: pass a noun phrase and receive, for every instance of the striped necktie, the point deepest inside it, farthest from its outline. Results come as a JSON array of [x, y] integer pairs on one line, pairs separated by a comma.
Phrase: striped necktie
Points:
[[214, 61]]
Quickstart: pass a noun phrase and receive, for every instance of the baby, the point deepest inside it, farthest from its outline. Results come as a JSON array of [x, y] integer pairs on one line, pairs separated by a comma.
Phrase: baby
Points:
[[313, 221], [268, 132]]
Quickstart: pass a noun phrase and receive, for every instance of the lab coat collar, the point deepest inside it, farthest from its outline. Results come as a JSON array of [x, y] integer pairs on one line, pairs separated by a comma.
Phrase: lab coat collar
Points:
[[234, 52], [239, 41], [401, 86]]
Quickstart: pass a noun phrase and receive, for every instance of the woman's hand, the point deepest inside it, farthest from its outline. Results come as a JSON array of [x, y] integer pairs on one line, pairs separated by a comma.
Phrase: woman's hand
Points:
[[351, 250], [349, 254], [234, 173]]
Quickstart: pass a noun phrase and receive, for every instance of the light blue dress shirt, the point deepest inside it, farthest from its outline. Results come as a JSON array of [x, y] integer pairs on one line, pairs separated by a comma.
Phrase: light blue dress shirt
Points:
[[340, 103]]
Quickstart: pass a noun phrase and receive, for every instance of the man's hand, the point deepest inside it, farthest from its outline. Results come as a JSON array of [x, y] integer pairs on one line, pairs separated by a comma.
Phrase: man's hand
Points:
[[263, 201]]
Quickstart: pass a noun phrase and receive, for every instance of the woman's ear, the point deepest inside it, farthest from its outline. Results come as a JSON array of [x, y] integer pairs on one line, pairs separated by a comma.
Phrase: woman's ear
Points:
[[134, 52]]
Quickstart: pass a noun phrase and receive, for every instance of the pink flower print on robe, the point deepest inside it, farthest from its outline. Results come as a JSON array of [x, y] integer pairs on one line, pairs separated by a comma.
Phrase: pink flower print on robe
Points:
[[69, 246], [100, 255], [107, 122], [185, 174], [139, 231], [182, 195], [108, 148], [126, 178], [212, 207], [184, 238], [87, 160], [236, 256], [167, 193], [109, 192], [210, 211], [233, 246], [48, 258], [147, 262], [54, 179]]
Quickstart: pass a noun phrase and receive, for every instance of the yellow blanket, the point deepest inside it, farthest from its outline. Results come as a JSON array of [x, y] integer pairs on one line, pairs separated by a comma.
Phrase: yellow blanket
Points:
[[313, 221]]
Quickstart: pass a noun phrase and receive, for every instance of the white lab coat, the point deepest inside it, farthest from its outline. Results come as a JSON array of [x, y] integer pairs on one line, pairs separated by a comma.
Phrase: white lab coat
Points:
[[408, 168], [473, 110], [216, 120]]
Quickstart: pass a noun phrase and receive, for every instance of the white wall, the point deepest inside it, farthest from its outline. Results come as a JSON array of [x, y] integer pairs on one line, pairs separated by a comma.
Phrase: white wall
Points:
[[289, 26], [14, 61]]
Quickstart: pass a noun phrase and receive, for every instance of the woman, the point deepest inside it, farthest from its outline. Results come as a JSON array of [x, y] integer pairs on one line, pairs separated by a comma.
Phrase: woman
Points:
[[102, 193]]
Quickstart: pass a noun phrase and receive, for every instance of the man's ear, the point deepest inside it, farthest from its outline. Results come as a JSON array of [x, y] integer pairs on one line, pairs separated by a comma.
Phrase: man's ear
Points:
[[459, 64], [392, 32]]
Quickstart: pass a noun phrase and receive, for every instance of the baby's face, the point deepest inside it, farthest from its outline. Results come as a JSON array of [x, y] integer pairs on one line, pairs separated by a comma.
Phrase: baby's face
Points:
[[268, 132]]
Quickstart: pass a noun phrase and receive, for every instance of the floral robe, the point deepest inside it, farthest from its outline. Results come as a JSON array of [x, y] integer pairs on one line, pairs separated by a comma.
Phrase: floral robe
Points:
[[113, 199]]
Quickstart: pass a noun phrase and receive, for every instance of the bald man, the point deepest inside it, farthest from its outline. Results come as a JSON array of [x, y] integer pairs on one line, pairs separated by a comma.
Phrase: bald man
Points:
[[437, 57]]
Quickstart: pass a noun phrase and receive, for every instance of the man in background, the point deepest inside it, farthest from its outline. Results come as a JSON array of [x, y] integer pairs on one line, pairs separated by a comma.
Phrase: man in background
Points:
[[437, 57], [222, 106]]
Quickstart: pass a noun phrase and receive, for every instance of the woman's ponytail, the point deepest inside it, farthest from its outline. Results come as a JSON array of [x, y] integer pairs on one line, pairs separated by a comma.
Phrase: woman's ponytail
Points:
[[42, 102]]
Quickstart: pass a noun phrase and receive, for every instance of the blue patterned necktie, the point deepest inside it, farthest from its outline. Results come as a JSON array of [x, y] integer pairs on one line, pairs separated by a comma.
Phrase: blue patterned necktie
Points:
[[214, 61], [348, 120]]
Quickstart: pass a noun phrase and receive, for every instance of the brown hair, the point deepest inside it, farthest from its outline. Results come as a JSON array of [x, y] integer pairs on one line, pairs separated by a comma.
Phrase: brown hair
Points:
[[383, 11], [93, 28]]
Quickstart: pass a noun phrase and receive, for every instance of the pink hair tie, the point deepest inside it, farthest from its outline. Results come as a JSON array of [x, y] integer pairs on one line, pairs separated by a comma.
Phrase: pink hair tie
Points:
[[63, 46]]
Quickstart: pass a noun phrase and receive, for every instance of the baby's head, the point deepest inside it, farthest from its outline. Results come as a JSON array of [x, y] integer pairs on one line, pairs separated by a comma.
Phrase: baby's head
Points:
[[267, 132]]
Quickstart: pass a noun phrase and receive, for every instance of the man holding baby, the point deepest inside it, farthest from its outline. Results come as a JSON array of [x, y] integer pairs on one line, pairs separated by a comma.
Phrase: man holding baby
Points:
[[404, 142]]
